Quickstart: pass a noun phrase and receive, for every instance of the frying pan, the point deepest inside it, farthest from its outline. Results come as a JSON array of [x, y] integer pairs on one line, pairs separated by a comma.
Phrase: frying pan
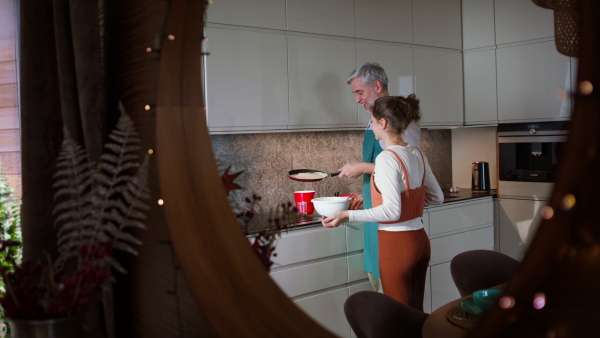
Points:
[[293, 174]]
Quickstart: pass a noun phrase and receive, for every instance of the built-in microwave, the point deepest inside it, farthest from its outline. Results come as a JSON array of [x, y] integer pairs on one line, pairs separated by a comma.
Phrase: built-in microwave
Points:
[[529, 154]]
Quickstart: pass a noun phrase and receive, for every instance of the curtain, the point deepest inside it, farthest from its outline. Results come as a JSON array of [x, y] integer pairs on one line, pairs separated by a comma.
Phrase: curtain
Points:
[[61, 84], [77, 60]]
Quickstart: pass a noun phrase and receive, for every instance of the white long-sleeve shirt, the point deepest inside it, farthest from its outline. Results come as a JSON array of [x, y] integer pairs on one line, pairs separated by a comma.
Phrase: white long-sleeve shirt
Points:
[[389, 179]]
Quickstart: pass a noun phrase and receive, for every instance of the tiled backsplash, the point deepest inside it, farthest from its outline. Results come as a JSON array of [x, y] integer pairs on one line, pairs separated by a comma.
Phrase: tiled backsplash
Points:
[[267, 158]]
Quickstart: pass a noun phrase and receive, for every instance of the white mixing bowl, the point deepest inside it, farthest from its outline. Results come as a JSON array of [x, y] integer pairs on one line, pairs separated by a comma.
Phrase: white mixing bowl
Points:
[[326, 206]]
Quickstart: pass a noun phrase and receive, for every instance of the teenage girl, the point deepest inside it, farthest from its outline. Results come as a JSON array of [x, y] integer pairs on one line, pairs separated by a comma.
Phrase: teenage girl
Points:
[[401, 185]]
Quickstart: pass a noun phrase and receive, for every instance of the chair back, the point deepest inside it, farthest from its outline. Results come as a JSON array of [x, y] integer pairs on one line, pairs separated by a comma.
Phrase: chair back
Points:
[[372, 314], [481, 269]]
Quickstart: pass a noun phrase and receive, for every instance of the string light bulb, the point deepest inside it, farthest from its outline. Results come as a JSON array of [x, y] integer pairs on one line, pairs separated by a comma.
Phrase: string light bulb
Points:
[[161, 201], [506, 302], [586, 87], [539, 300], [547, 212], [567, 202]]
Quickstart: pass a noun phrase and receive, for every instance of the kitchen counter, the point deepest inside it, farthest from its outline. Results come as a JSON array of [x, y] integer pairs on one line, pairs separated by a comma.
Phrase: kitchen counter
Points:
[[300, 221], [297, 221], [466, 194]]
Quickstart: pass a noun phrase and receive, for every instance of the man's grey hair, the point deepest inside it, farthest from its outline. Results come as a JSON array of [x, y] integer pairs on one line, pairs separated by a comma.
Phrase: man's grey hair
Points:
[[369, 72]]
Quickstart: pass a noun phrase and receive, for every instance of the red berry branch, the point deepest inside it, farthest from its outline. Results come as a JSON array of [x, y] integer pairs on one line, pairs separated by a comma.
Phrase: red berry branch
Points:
[[34, 292], [263, 242]]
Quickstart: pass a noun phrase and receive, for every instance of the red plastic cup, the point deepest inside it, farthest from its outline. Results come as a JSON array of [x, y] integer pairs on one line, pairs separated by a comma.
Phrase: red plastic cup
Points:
[[303, 201]]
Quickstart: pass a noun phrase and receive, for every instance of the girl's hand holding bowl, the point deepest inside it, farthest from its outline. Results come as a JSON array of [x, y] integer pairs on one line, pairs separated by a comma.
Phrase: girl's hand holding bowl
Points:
[[335, 220]]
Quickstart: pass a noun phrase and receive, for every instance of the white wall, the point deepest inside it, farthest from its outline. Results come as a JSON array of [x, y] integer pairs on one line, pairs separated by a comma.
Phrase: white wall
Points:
[[472, 145]]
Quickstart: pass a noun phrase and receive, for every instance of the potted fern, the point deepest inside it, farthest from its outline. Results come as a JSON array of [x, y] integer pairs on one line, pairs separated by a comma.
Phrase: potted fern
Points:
[[10, 233], [95, 204]]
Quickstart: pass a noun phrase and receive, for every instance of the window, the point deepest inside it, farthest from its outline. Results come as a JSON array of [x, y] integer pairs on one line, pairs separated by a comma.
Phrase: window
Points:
[[10, 127]]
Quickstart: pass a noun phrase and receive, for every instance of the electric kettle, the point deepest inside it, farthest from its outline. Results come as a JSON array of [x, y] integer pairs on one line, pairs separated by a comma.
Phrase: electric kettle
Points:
[[480, 180]]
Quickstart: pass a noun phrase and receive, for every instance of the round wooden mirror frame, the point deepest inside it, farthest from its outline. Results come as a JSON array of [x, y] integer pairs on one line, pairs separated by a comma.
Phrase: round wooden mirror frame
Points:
[[231, 287], [234, 291]]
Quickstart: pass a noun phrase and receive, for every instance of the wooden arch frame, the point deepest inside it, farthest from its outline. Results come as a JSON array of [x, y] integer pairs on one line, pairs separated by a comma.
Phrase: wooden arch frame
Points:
[[233, 290], [235, 293]]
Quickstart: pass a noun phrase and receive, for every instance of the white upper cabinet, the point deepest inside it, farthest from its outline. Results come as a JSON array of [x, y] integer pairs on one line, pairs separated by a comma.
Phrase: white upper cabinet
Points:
[[384, 20], [283, 64], [398, 64], [522, 20], [329, 17], [255, 13], [532, 82], [478, 23], [246, 80], [481, 105], [437, 23], [439, 86], [318, 70]]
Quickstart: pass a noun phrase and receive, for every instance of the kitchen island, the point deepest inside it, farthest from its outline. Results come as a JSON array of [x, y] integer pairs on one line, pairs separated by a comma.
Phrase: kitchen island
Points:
[[318, 268]]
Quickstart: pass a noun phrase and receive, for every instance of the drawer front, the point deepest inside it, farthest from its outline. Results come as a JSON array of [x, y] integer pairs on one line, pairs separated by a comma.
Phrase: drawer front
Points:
[[426, 222], [427, 295], [355, 236], [328, 310], [356, 268], [453, 219], [312, 277], [443, 249], [307, 245], [442, 286], [366, 286]]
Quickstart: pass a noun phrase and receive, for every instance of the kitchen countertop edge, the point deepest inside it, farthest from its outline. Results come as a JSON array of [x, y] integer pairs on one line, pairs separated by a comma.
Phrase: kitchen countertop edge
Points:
[[449, 198], [466, 194]]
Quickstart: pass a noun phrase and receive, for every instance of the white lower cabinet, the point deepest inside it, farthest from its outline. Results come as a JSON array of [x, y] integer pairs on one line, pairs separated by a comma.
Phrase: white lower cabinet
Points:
[[325, 309], [427, 297], [443, 249], [355, 268], [320, 268], [455, 228], [518, 222], [308, 278], [362, 286], [442, 285]]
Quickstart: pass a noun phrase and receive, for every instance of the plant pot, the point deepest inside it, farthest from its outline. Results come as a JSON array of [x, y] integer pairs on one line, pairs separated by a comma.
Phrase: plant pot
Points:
[[67, 327]]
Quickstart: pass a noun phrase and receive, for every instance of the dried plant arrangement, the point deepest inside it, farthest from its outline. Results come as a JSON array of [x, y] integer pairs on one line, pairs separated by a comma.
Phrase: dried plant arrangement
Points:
[[276, 219], [95, 206]]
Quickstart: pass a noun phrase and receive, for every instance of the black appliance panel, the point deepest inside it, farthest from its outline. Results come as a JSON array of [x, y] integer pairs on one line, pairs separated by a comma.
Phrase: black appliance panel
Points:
[[530, 152]]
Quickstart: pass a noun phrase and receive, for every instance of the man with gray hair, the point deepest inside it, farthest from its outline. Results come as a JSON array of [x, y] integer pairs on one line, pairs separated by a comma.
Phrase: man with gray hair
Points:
[[369, 82]]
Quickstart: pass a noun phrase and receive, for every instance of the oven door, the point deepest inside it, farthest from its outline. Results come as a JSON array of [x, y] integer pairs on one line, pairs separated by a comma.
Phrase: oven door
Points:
[[529, 158]]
